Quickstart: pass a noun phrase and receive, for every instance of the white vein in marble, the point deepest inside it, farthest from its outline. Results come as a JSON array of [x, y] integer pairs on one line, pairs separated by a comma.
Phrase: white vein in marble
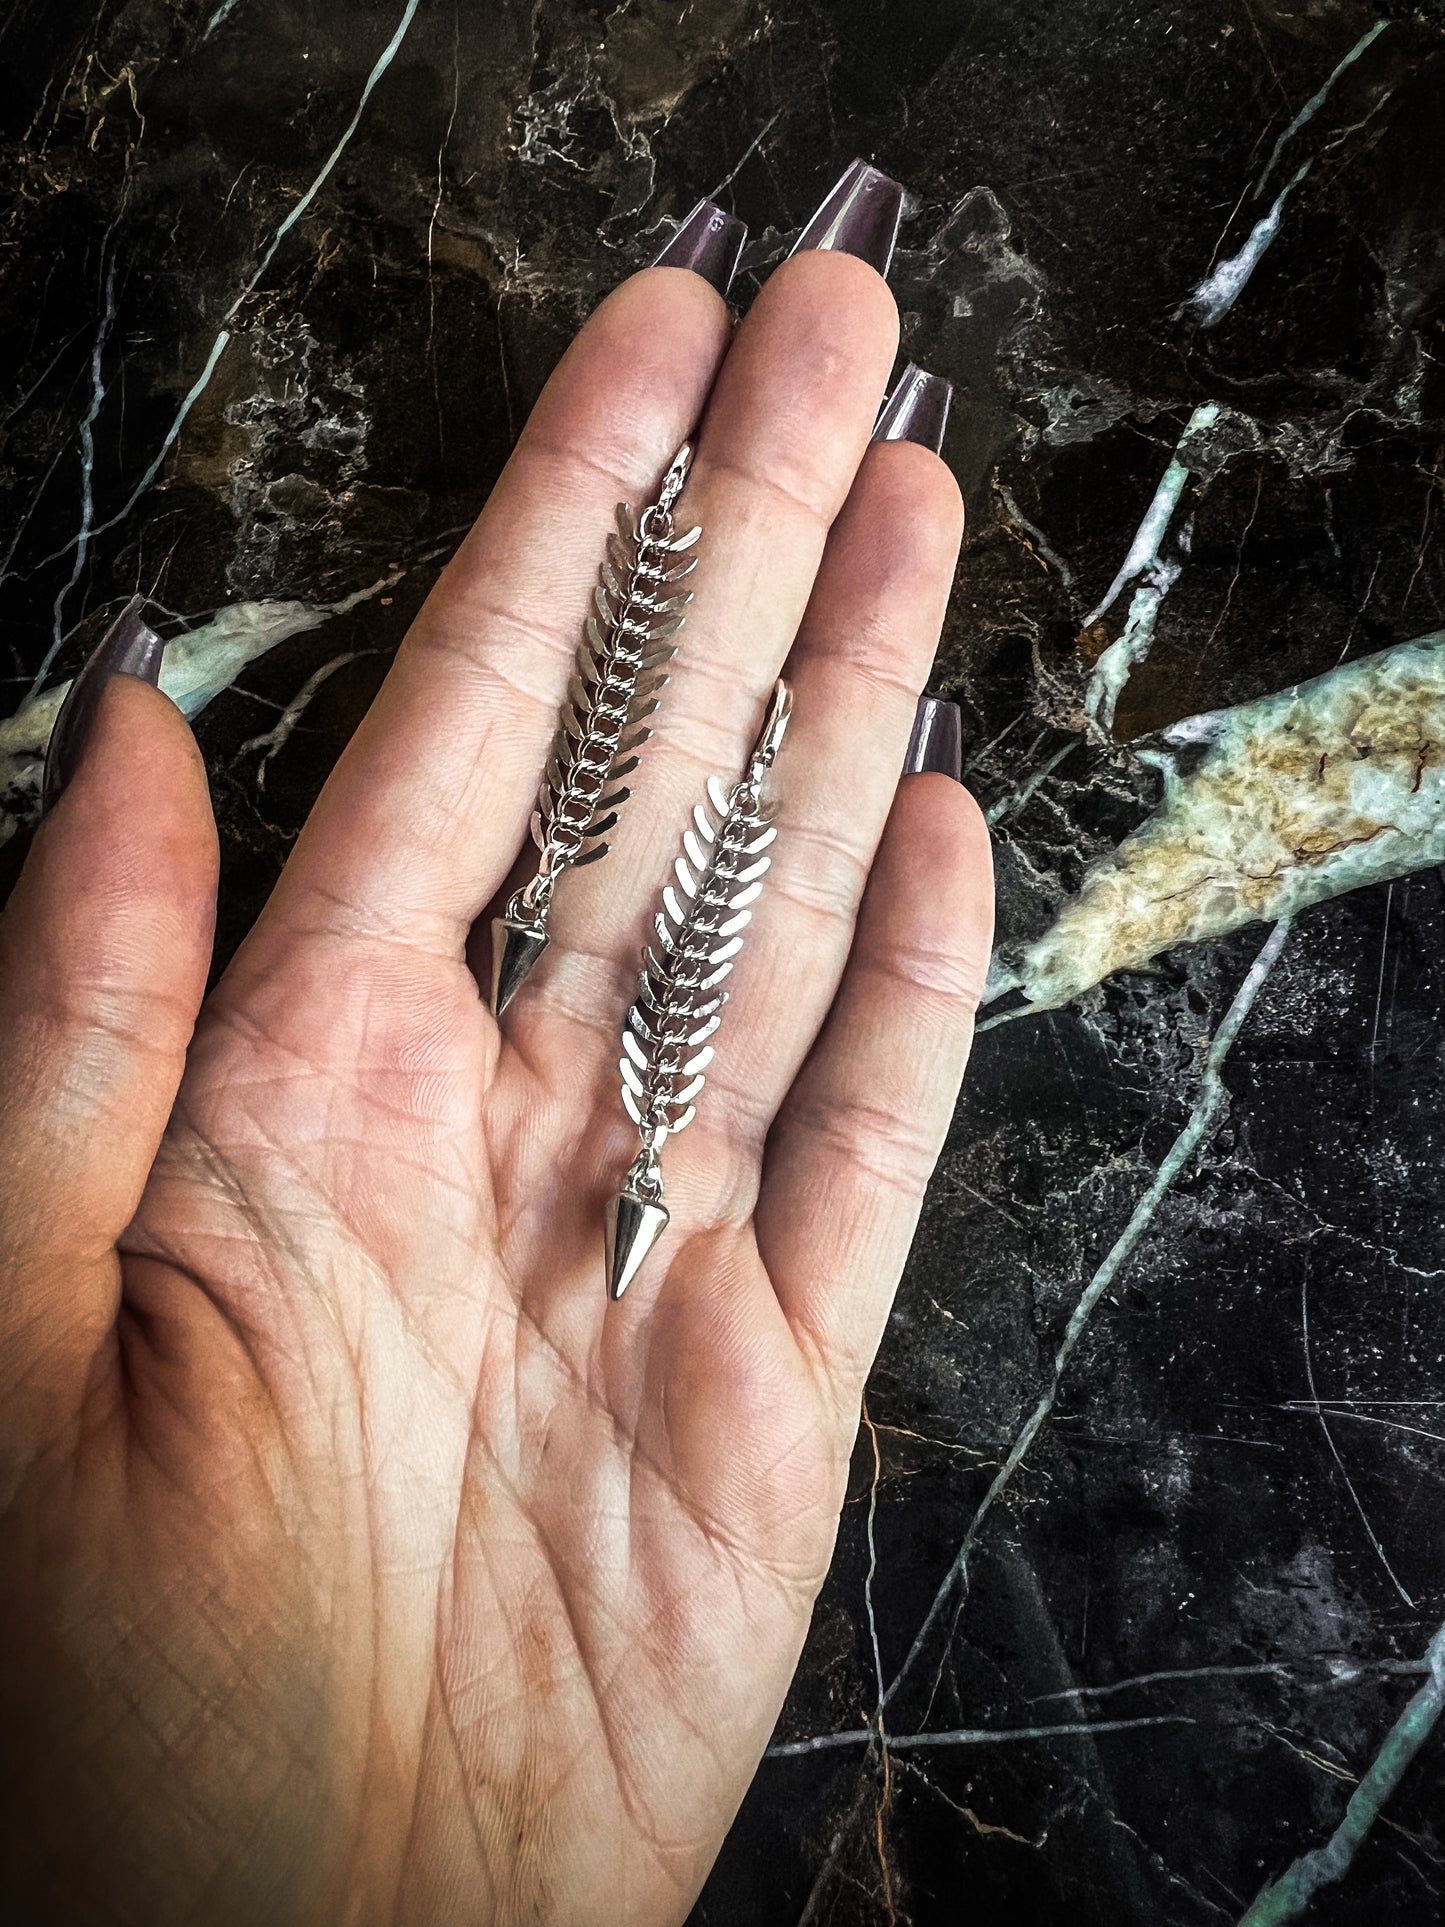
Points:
[[253, 281], [1267, 808], [87, 477], [1217, 293]]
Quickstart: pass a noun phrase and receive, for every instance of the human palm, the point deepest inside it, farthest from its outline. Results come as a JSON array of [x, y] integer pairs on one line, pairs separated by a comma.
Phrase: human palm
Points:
[[359, 1561]]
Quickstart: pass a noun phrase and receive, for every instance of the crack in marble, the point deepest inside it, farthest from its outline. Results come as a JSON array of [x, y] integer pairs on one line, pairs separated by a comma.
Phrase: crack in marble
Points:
[[973, 1735], [880, 1749], [985, 1829], [1386, 1251], [87, 479], [1335, 1408], [747, 154], [1019, 797], [1268, 1669], [431, 292], [1289, 1897], [1174, 1879], [1358, 1503], [1308, 1754], [1268, 808], [1338, 1673], [272, 741], [872, 1571]]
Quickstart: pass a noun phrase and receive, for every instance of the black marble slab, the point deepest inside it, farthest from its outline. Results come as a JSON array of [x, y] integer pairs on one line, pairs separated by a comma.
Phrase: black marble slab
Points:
[[281, 278]]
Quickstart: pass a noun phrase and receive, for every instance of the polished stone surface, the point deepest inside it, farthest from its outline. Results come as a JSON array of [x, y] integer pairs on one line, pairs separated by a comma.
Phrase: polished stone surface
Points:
[[1144, 1516]]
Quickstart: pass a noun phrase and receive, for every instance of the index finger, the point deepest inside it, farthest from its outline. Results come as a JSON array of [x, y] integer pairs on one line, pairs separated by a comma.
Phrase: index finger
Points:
[[425, 812]]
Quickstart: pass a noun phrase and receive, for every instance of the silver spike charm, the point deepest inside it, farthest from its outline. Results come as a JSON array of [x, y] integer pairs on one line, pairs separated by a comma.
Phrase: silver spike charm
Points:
[[666, 1052], [621, 666]]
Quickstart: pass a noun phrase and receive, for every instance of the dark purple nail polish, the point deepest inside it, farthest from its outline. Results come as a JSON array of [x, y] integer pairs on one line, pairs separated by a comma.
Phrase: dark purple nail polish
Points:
[[129, 647], [937, 740], [709, 242], [917, 409], [860, 216]]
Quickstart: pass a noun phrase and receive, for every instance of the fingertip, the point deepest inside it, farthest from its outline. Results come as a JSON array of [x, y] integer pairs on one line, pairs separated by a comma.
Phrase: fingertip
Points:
[[674, 298], [121, 878], [905, 515], [648, 352], [854, 296], [937, 821], [933, 880], [141, 768], [798, 393], [924, 482], [830, 321]]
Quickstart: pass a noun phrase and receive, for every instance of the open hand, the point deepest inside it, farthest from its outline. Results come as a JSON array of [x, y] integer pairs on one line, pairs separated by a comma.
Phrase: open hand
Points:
[[359, 1562]]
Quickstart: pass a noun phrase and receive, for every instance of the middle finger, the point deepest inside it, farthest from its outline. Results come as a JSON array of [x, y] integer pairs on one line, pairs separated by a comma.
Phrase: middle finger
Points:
[[786, 428]]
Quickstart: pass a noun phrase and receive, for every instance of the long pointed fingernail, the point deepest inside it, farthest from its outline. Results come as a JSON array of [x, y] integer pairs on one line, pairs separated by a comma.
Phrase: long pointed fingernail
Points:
[[710, 242], [937, 740], [129, 647], [917, 409], [860, 216]]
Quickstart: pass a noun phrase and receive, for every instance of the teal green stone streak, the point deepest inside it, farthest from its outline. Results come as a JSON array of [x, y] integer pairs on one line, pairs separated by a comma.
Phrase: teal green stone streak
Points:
[[1287, 1898], [1212, 300], [1156, 576], [219, 18], [1317, 100], [1144, 549], [198, 665]]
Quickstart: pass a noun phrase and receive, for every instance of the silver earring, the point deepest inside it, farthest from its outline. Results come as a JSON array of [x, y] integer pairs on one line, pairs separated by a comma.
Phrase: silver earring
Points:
[[699, 929], [621, 666]]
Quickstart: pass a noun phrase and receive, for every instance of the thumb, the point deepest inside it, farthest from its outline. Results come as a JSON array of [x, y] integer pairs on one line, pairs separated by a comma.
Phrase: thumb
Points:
[[104, 950]]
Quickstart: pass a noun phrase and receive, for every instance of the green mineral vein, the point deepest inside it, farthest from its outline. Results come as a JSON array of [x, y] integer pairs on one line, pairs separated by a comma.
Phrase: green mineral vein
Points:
[[1267, 808], [1288, 1897]]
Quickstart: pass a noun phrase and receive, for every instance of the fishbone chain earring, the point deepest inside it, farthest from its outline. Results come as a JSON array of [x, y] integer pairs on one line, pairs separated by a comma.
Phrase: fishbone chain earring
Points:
[[699, 929], [621, 666]]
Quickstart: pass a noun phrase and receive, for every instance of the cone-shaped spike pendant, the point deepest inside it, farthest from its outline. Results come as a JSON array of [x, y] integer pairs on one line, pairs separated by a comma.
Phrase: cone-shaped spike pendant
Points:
[[516, 947], [621, 666], [679, 1003], [633, 1228]]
